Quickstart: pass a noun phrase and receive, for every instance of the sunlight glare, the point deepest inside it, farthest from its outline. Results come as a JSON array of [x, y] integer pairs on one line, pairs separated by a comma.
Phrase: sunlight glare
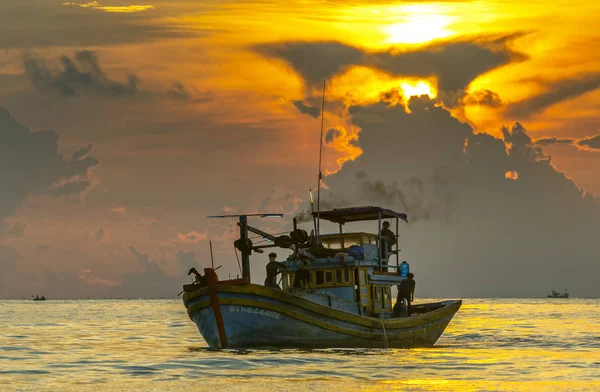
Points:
[[422, 23], [416, 90], [363, 86]]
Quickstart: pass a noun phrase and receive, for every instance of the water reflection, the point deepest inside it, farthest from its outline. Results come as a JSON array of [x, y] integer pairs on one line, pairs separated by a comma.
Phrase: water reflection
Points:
[[512, 345]]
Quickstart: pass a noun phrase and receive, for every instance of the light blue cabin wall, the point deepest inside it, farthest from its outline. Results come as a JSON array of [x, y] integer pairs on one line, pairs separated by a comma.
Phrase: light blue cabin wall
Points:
[[345, 293], [326, 298], [371, 252]]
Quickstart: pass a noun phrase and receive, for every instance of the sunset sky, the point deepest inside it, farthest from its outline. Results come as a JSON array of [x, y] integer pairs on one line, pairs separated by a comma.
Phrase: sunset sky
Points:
[[123, 124]]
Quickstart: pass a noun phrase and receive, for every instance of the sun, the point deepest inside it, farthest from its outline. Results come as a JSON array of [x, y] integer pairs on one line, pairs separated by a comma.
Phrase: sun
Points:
[[420, 23], [418, 89]]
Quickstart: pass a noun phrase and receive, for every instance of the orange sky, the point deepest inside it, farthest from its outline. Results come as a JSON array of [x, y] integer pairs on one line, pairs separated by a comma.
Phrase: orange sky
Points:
[[208, 114]]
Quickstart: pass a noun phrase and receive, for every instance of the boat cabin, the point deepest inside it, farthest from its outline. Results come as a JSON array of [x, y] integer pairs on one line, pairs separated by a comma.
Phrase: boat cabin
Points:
[[350, 271]]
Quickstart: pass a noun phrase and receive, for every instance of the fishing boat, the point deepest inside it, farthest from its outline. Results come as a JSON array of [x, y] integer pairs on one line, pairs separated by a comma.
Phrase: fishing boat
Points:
[[556, 294], [347, 304]]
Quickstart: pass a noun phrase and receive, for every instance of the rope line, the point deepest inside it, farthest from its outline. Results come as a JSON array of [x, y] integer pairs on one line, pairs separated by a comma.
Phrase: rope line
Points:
[[387, 346]]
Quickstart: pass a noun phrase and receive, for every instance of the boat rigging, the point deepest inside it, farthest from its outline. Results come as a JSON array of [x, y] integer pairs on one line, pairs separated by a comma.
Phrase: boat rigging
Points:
[[347, 302]]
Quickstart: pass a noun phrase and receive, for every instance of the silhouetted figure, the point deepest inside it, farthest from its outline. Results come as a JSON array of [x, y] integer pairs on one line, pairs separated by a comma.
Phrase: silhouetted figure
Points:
[[388, 236], [272, 271], [302, 276], [406, 291], [198, 278], [389, 240]]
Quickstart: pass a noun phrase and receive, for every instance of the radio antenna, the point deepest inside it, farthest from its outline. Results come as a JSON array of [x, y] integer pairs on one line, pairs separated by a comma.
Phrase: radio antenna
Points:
[[312, 212], [318, 232], [212, 260]]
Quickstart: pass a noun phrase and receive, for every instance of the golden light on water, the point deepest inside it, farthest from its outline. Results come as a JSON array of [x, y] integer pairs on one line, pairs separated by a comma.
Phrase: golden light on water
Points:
[[491, 344]]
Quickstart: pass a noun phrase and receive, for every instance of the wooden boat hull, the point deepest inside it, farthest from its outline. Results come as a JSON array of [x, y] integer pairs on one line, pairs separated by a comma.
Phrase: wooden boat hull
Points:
[[249, 315]]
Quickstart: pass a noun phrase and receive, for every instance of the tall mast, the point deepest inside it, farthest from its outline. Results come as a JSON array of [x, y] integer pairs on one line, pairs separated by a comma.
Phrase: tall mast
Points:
[[318, 233], [244, 244]]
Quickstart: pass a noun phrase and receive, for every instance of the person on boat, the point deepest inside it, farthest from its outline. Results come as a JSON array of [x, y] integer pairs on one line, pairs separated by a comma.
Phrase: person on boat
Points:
[[198, 278], [388, 236], [273, 267], [389, 239], [406, 291], [302, 276]]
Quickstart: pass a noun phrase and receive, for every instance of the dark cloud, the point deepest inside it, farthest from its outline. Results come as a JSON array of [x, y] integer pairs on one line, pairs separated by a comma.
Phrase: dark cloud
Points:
[[186, 260], [84, 75], [147, 281], [26, 24], [16, 231], [70, 188], [332, 134], [81, 153], [99, 234], [401, 136], [454, 63], [30, 164], [329, 203], [547, 141], [150, 279], [148, 266], [306, 109], [287, 196], [59, 284], [315, 61], [8, 261], [520, 142], [479, 227], [178, 91], [591, 142], [277, 201], [483, 98], [555, 92], [42, 248], [423, 198]]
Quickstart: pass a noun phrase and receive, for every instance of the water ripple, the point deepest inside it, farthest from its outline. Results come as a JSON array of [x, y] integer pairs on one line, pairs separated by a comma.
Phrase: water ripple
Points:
[[151, 345]]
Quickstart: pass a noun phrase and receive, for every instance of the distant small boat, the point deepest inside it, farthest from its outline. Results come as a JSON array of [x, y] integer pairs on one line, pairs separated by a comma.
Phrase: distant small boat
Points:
[[556, 294], [42, 298]]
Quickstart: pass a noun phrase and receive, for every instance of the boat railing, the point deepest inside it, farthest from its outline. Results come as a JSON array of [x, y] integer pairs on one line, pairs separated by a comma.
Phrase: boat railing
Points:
[[391, 266]]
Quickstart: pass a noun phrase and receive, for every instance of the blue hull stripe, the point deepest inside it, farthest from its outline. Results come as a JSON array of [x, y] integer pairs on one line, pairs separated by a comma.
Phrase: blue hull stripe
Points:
[[257, 321]]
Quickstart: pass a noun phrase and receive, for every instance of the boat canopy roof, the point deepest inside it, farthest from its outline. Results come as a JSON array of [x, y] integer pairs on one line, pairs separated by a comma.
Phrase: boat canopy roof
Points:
[[356, 214]]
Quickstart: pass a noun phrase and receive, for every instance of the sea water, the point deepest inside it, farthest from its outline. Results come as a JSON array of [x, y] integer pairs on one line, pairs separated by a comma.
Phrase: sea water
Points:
[[151, 345]]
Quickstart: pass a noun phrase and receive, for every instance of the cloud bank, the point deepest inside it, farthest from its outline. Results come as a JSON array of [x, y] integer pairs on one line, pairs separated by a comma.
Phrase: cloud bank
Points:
[[480, 231], [455, 63], [83, 74], [30, 164]]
